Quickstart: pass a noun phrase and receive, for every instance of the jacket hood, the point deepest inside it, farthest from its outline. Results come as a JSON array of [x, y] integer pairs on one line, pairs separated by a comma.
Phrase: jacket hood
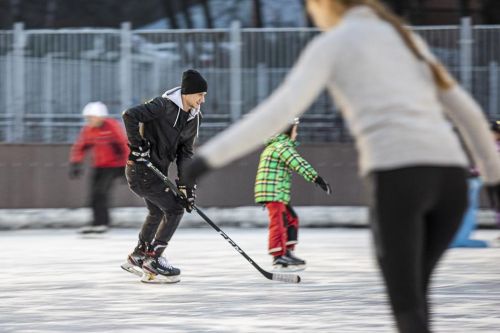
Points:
[[174, 95]]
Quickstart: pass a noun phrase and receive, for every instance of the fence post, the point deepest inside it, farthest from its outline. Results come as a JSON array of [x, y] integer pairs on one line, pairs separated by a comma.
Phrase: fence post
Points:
[[18, 94], [85, 82], [9, 114], [47, 90], [466, 53], [262, 82], [493, 83], [235, 71], [125, 78]]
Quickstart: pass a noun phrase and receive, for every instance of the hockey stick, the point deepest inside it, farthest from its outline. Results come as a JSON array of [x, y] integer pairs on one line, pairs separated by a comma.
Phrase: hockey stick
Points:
[[290, 278]]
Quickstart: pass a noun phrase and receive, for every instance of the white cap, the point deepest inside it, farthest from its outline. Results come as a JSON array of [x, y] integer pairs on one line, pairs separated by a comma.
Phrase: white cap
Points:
[[97, 109]]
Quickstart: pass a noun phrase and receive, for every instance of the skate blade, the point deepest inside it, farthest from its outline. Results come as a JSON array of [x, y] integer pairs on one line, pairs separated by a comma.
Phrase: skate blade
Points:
[[93, 235], [92, 231], [159, 279], [294, 268], [132, 269]]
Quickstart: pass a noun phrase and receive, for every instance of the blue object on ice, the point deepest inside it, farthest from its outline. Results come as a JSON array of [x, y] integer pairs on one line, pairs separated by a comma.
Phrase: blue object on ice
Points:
[[469, 220]]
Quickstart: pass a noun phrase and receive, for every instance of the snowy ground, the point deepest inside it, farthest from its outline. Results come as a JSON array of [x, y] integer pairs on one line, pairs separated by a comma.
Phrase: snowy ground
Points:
[[57, 281]]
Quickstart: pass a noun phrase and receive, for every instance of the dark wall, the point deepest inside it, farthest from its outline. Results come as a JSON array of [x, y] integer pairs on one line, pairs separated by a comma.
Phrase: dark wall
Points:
[[36, 176]]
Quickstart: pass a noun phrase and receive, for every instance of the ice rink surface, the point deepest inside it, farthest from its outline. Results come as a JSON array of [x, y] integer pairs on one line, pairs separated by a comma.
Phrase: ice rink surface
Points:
[[58, 281]]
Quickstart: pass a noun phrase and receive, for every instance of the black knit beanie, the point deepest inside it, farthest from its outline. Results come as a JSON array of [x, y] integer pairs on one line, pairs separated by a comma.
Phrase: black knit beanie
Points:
[[192, 82]]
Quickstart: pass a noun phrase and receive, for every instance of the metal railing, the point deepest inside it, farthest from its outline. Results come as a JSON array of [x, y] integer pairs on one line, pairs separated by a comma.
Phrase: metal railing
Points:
[[49, 75]]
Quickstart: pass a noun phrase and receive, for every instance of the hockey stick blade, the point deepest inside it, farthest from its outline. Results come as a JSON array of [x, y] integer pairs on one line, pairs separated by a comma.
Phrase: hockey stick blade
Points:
[[288, 278]]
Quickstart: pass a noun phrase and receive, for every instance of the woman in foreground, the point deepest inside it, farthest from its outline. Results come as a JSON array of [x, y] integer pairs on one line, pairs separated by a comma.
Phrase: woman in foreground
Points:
[[397, 100]]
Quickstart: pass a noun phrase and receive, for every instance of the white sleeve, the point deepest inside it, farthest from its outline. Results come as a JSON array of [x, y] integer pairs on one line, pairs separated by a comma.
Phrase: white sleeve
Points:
[[301, 86], [468, 117]]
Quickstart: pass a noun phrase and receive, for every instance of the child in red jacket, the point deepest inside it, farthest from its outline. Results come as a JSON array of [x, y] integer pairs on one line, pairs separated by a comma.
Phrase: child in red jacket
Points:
[[106, 138]]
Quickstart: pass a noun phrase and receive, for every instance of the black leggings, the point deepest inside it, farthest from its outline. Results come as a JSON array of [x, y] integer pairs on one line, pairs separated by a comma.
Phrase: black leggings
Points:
[[414, 214]]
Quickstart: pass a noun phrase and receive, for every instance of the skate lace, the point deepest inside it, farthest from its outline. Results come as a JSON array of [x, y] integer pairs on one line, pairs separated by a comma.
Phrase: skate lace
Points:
[[164, 262]]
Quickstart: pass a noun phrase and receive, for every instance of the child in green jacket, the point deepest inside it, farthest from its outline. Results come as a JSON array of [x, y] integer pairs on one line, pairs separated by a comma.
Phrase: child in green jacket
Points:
[[272, 188]]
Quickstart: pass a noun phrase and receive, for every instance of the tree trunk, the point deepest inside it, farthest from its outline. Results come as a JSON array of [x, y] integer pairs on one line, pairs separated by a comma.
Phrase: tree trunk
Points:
[[170, 13], [185, 11], [208, 15], [256, 14]]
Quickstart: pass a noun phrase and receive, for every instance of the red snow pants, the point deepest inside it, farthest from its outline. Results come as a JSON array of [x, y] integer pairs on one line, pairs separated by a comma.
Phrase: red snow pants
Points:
[[283, 228]]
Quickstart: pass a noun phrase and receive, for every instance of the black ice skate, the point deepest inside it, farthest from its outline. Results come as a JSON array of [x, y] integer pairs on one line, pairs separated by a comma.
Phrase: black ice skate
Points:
[[136, 259], [296, 260], [286, 264], [157, 269]]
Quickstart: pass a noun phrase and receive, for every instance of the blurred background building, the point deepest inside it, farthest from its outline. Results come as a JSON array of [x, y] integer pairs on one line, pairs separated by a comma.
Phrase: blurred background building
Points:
[[219, 13]]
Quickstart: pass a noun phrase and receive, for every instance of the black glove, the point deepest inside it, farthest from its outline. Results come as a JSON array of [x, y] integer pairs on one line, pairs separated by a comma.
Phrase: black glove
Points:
[[140, 154], [324, 185], [194, 169], [189, 195], [75, 170], [494, 196]]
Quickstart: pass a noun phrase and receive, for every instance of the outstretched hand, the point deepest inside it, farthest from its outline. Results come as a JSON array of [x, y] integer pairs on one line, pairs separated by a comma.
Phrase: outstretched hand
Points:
[[323, 185], [75, 170]]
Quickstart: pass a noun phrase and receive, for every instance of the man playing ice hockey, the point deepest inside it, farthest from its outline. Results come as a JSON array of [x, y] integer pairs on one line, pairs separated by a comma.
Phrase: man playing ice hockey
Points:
[[162, 130]]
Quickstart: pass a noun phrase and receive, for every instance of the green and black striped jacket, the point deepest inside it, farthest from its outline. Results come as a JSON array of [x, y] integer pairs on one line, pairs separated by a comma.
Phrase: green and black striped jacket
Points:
[[274, 174]]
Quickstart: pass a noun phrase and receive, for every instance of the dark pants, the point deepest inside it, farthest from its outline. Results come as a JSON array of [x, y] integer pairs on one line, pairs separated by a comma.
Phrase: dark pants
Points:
[[414, 214], [164, 209], [102, 181]]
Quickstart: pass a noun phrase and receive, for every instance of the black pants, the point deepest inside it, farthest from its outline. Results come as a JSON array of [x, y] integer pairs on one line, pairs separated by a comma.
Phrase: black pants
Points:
[[414, 214], [102, 181], [164, 209]]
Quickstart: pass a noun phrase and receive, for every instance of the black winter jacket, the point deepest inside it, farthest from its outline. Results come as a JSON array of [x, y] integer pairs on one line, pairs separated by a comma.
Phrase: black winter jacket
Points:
[[167, 129]]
